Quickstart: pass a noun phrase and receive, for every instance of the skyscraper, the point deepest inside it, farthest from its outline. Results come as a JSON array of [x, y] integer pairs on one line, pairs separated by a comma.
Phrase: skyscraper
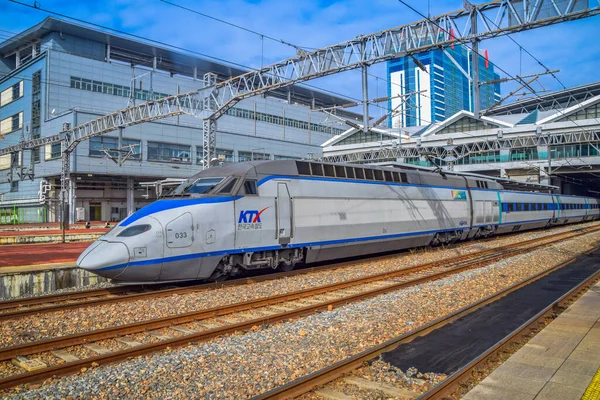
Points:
[[445, 79]]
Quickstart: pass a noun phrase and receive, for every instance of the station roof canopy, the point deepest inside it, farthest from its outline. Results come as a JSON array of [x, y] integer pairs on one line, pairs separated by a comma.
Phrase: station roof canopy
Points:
[[552, 101], [141, 52]]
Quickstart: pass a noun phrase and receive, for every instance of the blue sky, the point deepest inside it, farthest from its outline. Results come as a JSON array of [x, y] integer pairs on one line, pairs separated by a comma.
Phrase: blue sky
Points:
[[571, 47]]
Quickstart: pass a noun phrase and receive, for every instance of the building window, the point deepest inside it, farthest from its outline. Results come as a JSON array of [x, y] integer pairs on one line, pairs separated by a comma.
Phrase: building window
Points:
[[11, 124], [252, 156], [480, 158], [11, 94], [5, 161], [36, 103], [52, 151], [276, 157], [167, 152], [465, 124], [113, 89], [14, 186], [527, 153], [111, 144], [274, 119], [225, 155], [35, 155]]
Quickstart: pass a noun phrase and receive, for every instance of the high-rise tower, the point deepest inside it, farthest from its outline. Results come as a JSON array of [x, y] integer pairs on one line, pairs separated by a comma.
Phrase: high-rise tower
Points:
[[445, 78]]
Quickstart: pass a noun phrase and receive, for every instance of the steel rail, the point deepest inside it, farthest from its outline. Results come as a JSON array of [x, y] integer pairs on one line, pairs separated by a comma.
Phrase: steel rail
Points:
[[64, 341], [31, 302], [150, 293], [108, 333], [309, 382], [7, 353]]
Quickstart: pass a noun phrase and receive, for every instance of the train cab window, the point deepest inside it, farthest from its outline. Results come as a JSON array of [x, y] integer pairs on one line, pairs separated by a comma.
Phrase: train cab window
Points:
[[200, 186], [328, 170], [340, 171], [360, 173], [378, 175], [249, 187], [396, 177], [350, 172], [388, 176], [317, 169], [369, 174], [228, 188], [403, 177]]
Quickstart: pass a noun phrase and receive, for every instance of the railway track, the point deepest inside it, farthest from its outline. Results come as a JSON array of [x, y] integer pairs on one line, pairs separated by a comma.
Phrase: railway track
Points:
[[451, 386], [17, 308], [68, 354]]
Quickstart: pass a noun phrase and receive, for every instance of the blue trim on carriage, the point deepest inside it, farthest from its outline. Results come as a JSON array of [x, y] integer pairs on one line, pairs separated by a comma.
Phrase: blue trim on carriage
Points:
[[162, 205], [307, 244], [277, 247]]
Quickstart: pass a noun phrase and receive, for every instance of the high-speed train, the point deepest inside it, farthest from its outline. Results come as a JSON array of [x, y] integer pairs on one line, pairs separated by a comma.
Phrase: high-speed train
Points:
[[275, 214]]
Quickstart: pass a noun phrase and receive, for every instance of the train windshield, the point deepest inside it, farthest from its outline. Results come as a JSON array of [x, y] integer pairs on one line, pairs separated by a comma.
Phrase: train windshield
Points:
[[200, 186]]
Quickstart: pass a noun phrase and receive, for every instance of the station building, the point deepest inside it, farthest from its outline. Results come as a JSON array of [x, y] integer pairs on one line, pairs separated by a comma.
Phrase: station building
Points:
[[59, 72], [549, 139], [444, 78]]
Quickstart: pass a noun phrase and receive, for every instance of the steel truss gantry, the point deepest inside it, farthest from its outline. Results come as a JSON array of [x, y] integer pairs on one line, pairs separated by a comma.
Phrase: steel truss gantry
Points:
[[455, 151], [474, 23]]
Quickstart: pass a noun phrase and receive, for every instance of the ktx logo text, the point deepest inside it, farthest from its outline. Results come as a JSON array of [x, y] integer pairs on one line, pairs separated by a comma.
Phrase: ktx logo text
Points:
[[250, 219]]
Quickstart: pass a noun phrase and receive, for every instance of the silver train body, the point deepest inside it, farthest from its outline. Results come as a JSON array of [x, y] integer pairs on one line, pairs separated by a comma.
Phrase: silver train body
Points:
[[275, 214]]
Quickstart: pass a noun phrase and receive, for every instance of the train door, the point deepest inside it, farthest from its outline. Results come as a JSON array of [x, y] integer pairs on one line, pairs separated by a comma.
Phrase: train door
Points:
[[284, 213], [180, 236], [491, 212]]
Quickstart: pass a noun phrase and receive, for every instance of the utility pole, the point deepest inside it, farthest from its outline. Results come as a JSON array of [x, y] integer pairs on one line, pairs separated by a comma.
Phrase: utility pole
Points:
[[475, 47], [365, 93]]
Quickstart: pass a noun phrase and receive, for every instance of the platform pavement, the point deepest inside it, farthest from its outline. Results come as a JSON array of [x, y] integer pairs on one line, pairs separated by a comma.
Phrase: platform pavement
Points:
[[562, 362]]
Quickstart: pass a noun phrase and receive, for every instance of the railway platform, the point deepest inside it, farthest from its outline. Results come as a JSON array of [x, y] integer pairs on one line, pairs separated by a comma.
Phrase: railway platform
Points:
[[45, 235], [560, 362], [29, 257]]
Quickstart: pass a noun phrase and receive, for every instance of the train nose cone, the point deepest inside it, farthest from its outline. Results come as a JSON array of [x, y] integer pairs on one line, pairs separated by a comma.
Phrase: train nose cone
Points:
[[104, 258]]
